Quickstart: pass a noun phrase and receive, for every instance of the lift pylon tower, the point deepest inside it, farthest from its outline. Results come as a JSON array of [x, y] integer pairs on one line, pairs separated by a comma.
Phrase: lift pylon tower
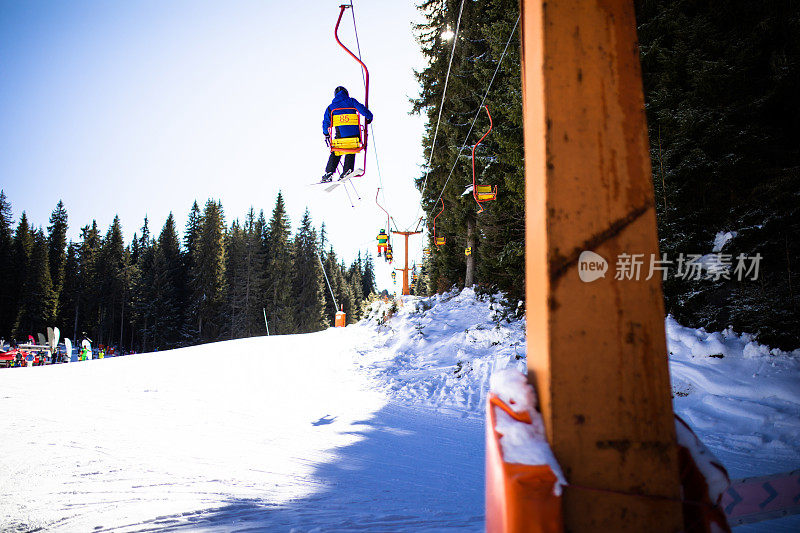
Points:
[[405, 269]]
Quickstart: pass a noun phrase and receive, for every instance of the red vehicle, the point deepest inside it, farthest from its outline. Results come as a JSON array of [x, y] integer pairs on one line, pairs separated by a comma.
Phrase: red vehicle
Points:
[[12, 357], [17, 357]]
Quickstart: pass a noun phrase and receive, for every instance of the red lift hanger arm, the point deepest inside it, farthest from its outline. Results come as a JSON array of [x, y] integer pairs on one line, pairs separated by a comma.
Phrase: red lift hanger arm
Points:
[[438, 241], [482, 193], [366, 75]]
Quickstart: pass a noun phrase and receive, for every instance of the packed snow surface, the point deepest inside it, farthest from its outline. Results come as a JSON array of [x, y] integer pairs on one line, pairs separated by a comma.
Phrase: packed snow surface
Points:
[[377, 426]]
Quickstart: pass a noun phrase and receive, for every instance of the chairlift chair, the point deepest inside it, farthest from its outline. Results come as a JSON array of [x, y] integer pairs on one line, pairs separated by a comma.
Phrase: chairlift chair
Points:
[[438, 241], [482, 193], [346, 116], [350, 116]]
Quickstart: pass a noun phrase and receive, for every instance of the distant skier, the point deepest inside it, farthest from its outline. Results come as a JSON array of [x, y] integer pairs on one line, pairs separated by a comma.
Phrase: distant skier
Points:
[[341, 99], [86, 350], [383, 242]]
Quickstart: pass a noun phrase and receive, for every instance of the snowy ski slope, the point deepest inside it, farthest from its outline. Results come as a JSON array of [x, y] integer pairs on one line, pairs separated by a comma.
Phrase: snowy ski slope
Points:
[[276, 432], [376, 427]]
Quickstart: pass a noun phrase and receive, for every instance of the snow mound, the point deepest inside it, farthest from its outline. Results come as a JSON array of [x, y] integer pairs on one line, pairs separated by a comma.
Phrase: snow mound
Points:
[[722, 238], [741, 398], [440, 351], [738, 395]]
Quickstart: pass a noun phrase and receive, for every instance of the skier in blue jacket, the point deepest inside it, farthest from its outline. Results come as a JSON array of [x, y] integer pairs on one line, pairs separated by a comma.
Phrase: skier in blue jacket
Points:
[[341, 99]]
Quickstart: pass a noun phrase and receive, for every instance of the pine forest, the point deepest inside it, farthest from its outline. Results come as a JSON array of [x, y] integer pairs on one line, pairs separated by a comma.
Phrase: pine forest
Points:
[[721, 90], [217, 281]]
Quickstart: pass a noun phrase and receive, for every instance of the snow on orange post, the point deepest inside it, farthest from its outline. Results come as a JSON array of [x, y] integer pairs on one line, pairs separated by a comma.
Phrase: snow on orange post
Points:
[[519, 497]]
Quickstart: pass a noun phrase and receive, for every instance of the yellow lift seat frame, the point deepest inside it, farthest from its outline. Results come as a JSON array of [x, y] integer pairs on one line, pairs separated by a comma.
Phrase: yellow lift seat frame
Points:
[[346, 116], [485, 193]]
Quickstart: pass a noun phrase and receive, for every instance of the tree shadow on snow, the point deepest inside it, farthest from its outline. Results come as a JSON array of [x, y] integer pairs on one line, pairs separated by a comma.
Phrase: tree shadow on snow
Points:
[[412, 470]]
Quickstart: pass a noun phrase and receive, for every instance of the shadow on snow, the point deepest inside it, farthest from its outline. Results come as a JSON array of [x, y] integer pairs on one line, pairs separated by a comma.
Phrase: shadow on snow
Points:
[[412, 470]]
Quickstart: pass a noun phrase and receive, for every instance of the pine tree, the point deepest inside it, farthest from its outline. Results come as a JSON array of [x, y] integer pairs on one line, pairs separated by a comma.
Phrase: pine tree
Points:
[[37, 309], [166, 288], [368, 278], [253, 278], [70, 293], [8, 291], [236, 273], [21, 259], [208, 277], [190, 239], [143, 308], [308, 284], [279, 258], [88, 310], [355, 275], [111, 270], [57, 243]]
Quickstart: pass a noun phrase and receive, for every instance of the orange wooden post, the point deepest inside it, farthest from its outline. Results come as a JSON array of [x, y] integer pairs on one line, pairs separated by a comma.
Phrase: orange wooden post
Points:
[[405, 268], [340, 320], [596, 350]]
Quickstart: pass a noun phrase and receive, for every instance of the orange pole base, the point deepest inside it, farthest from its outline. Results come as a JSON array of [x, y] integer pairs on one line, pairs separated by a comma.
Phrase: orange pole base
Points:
[[519, 497]]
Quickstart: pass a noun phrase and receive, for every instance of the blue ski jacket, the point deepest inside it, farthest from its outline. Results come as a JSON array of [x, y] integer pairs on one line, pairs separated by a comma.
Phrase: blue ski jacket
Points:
[[343, 100]]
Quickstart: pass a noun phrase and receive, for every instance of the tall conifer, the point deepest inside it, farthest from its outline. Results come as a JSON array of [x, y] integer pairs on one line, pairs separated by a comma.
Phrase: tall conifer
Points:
[[208, 279], [37, 308], [57, 243], [8, 292], [278, 275], [308, 285]]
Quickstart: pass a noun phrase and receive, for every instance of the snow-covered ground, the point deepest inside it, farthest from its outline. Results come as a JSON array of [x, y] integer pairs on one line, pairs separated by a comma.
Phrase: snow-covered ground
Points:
[[375, 427]]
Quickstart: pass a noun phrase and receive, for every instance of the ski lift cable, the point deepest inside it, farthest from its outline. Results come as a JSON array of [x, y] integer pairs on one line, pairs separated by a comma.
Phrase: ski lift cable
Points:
[[371, 127], [326, 280], [441, 106], [480, 107], [478, 112]]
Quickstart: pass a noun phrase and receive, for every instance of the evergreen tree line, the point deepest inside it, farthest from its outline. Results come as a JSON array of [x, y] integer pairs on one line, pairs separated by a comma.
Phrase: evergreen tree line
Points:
[[162, 291], [495, 236], [721, 88]]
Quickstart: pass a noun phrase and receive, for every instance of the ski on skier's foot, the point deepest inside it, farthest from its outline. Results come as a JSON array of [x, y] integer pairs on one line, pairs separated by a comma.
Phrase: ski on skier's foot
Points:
[[357, 173], [329, 186]]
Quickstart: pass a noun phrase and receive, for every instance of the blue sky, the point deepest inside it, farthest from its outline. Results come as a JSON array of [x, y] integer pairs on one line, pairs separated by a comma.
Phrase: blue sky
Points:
[[140, 108]]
